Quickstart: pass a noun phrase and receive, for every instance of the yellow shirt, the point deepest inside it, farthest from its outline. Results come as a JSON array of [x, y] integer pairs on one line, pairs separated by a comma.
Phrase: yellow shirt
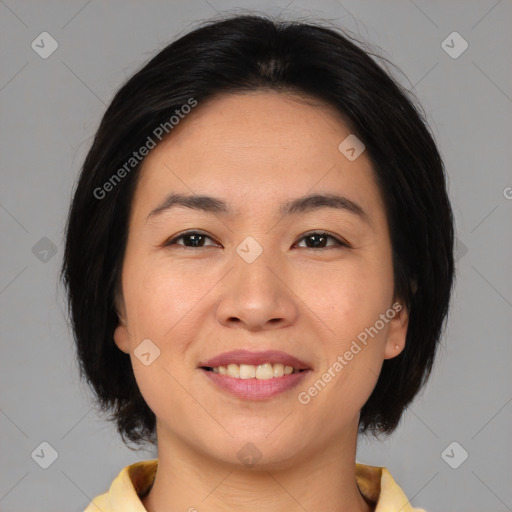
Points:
[[376, 485]]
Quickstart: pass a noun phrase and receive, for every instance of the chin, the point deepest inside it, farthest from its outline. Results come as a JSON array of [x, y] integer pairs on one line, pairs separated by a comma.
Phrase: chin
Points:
[[257, 451]]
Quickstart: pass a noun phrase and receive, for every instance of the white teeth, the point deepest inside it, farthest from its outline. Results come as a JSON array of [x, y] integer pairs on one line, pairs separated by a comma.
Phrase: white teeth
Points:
[[233, 371], [265, 371], [261, 372], [278, 370], [247, 371]]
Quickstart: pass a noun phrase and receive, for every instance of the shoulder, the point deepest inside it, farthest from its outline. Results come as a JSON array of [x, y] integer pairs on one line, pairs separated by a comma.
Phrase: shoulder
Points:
[[378, 486], [124, 494]]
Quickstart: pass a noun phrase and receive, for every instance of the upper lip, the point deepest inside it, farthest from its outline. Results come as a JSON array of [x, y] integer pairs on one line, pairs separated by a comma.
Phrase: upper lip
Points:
[[255, 358]]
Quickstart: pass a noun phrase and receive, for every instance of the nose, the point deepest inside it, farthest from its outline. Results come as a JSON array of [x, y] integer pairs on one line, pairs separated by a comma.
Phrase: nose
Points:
[[258, 296]]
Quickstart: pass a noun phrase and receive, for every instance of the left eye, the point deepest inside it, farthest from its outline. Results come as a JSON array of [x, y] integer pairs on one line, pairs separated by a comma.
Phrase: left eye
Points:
[[196, 239], [320, 239]]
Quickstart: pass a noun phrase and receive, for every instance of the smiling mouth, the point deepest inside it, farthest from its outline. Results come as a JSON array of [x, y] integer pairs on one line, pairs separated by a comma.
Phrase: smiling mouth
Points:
[[264, 371]]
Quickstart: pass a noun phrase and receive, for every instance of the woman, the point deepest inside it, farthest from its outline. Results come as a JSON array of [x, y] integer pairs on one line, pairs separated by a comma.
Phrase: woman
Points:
[[259, 267]]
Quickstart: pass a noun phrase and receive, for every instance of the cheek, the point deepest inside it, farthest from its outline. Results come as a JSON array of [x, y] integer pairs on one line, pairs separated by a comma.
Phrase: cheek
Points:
[[161, 308], [351, 298], [353, 352], [160, 296], [350, 302]]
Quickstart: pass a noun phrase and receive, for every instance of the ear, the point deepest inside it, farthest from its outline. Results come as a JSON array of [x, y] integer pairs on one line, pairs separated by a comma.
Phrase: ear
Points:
[[397, 332], [121, 338]]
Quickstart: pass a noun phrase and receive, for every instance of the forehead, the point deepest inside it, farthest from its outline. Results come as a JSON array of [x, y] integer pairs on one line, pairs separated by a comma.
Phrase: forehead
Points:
[[260, 118], [255, 148]]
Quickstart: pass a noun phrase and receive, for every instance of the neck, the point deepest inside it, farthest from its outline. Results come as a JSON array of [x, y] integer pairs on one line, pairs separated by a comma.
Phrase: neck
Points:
[[190, 481]]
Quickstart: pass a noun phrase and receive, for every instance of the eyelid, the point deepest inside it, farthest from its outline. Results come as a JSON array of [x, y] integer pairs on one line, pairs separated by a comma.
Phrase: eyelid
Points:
[[341, 242], [185, 233]]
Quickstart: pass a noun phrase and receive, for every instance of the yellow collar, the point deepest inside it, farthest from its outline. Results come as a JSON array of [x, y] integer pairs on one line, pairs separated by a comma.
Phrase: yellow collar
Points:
[[375, 483]]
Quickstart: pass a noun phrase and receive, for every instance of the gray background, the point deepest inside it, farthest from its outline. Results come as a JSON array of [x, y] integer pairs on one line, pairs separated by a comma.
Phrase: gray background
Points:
[[50, 109]]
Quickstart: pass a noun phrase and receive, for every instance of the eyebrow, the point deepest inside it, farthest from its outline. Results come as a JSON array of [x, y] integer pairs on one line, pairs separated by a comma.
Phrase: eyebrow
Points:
[[302, 204]]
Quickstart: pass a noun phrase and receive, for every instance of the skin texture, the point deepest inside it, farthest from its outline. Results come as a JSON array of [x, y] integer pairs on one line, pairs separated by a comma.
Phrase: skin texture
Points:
[[255, 151]]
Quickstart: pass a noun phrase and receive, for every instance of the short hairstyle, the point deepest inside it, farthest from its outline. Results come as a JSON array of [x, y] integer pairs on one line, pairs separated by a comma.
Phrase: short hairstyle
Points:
[[256, 53]]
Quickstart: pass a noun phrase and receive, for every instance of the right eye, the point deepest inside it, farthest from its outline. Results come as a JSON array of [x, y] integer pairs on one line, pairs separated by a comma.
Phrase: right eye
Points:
[[191, 239]]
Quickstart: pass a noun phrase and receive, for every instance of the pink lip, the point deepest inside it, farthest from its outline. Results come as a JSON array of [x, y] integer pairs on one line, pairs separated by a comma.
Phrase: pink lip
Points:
[[255, 358], [255, 389]]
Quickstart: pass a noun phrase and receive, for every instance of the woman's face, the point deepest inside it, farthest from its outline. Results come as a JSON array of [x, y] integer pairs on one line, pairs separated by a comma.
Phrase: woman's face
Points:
[[253, 277]]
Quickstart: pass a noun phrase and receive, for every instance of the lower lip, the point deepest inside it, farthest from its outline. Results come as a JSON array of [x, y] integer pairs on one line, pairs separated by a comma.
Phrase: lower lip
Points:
[[256, 389]]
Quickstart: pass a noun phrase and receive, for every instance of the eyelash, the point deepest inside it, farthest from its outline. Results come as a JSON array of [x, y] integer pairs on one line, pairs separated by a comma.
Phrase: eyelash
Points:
[[339, 242]]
